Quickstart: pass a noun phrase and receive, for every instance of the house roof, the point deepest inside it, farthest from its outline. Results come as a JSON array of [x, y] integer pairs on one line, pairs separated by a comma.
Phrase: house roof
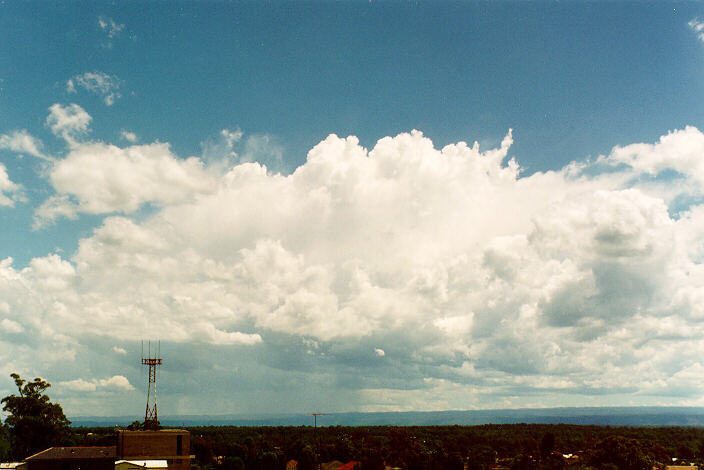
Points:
[[348, 466], [69, 453], [334, 465]]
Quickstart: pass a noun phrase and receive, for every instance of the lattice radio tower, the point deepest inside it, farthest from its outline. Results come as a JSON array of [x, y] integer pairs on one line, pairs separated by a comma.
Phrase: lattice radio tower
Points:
[[150, 416]]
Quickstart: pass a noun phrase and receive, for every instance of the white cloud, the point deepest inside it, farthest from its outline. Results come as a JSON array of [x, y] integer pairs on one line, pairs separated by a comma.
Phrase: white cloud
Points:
[[231, 137], [264, 149], [109, 26], [55, 207], [22, 142], [68, 122], [119, 350], [100, 83], [116, 383], [697, 25], [9, 191], [130, 137], [219, 150], [9, 326], [481, 283], [230, 147], [97, 178], [679, 150], [208, 333]]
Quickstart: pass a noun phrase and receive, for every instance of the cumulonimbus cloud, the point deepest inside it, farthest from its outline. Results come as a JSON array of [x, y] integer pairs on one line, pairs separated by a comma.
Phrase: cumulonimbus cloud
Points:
[[449, 261]]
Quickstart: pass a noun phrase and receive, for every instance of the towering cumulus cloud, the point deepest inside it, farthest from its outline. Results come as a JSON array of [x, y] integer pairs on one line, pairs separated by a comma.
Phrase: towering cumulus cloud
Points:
[[471, 280]]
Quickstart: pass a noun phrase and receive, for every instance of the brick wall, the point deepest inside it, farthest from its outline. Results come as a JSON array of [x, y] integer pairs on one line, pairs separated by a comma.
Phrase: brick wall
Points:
[[170, 445]]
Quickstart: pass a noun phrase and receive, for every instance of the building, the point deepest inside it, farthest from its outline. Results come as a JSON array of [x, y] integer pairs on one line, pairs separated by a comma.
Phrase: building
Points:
[[172, 445], [73, 458]]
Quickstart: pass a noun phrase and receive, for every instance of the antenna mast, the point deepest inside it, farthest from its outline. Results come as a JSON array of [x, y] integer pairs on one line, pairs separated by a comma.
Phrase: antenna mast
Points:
[[317, 453], [150, 416]]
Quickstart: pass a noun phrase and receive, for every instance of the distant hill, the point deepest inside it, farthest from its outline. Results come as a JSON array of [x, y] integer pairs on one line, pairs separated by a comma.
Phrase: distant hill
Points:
[[606, 416]]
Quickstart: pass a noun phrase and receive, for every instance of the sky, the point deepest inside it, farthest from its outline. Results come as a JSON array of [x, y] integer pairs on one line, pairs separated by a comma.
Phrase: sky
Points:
[[353, 206]]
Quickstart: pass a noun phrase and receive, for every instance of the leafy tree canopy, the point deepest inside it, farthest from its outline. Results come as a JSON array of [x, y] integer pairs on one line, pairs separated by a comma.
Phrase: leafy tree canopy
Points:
[[34, 422], [621, 452]]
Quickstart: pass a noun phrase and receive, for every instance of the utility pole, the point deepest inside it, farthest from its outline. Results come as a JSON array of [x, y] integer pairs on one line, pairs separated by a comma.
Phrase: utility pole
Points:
[[317, 451]]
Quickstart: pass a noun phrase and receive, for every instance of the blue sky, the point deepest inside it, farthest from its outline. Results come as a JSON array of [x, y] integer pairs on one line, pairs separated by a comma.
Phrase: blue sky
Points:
[[156, 181], [572, 80]]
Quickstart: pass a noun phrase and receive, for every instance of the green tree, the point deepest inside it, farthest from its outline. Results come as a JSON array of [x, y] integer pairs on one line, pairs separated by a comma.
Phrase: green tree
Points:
[[34, 422], [4, 443], [202, 448], [547, 445], [269, 461], [135, 426], [306, 460], [524, 462], [685, 452], [233, 463], [622, 452]]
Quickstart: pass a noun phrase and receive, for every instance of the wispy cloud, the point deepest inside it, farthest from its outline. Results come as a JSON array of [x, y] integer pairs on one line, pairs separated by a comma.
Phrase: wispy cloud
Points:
[[9, 192], [110, 27], [22, 141], [697, 25], [220, 148], [130, 137], [264, 149], [102, 84], [232, 146]]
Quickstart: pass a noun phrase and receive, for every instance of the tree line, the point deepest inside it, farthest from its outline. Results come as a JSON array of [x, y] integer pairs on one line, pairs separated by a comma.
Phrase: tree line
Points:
[[515, 446], [33, 423]]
